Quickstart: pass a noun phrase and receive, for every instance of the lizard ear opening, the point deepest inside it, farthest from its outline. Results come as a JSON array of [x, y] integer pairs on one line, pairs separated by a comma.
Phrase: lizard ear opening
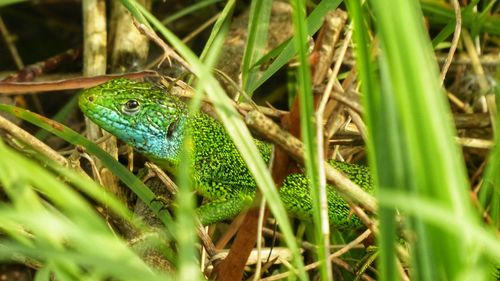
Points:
[[171, 128]]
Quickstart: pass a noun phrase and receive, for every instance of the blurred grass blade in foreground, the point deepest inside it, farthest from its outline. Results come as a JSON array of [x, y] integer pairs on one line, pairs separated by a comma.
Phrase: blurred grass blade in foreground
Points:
[[411, 144]]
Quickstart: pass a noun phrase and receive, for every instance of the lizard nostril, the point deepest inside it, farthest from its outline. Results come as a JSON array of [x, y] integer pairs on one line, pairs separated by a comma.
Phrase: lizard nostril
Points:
[[90, 98]]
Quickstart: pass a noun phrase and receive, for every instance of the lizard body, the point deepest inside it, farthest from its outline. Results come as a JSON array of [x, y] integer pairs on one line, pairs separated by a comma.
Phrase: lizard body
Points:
[[154, 123]]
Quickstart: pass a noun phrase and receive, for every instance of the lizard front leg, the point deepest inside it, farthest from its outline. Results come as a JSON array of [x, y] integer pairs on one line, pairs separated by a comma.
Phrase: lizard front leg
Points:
[[224, 209]]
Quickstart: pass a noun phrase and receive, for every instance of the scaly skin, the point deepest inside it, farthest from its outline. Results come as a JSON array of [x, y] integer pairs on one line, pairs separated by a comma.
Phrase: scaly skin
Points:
[[154, 123]]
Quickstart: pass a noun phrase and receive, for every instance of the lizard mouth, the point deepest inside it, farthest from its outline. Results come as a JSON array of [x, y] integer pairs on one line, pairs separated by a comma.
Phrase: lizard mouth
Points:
[[112, 120], [103, 116], [100, 115]]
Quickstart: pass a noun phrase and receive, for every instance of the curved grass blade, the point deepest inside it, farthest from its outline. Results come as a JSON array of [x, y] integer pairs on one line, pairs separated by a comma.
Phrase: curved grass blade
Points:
[[437, 13], [309, 137], [68, 237], [188, 10], [10, 2], [221, 27], [239, 133], [258, 24], [139, 188], [419, 141], [314, 22]]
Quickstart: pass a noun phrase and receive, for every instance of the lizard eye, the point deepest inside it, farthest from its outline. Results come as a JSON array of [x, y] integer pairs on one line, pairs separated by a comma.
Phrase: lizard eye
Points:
[[131, 107]]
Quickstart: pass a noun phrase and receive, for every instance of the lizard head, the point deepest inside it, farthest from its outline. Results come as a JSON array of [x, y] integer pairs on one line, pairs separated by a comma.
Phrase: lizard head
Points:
[[141, 114]]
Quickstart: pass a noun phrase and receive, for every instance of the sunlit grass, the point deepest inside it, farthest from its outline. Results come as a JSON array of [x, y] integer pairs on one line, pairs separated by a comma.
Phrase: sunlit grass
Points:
[[418, 168], [66, 238]]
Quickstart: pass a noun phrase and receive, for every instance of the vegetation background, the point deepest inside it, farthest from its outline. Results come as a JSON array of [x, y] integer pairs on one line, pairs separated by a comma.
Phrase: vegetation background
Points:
[[408, 88]]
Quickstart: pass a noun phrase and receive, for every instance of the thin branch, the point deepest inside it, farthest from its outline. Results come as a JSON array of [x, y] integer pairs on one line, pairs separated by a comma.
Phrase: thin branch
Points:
[[337, 254], [266, 127], [454, 42]]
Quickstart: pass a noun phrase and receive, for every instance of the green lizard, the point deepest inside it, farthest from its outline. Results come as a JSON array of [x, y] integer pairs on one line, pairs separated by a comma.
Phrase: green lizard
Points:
[[154, 123]]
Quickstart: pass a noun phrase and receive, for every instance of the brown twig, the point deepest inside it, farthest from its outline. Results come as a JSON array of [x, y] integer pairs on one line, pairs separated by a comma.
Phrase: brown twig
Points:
[[329, 35], [167, 51], [475, 143], [266, 127], [325, 45], [29, 139], [347, 267], [262, 215], [10, 44], [337, 254], [454, 42], [15, 88], [183, 90], [200, 29], [30, 72], [231, 231]]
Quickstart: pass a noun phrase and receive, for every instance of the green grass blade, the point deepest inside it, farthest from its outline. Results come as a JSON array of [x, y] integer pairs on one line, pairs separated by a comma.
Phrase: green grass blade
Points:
[[443, 34], [68, 237], [309, 137], [239, 133], [136, 185], [189, 10], [440, 14], [220, 28], [61, 115], [489, 194], [314, 22], [272, 54], [430, 164], [10, 2], [436, 213], [378, 113], [258, 24], [185, 219], [186, 216]]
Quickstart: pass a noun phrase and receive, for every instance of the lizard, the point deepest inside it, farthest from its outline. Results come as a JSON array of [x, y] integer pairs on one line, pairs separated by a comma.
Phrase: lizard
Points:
[[154, 123]]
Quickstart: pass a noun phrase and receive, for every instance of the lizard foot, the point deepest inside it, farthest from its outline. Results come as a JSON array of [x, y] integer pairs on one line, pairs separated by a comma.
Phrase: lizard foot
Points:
[[164, 201]]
